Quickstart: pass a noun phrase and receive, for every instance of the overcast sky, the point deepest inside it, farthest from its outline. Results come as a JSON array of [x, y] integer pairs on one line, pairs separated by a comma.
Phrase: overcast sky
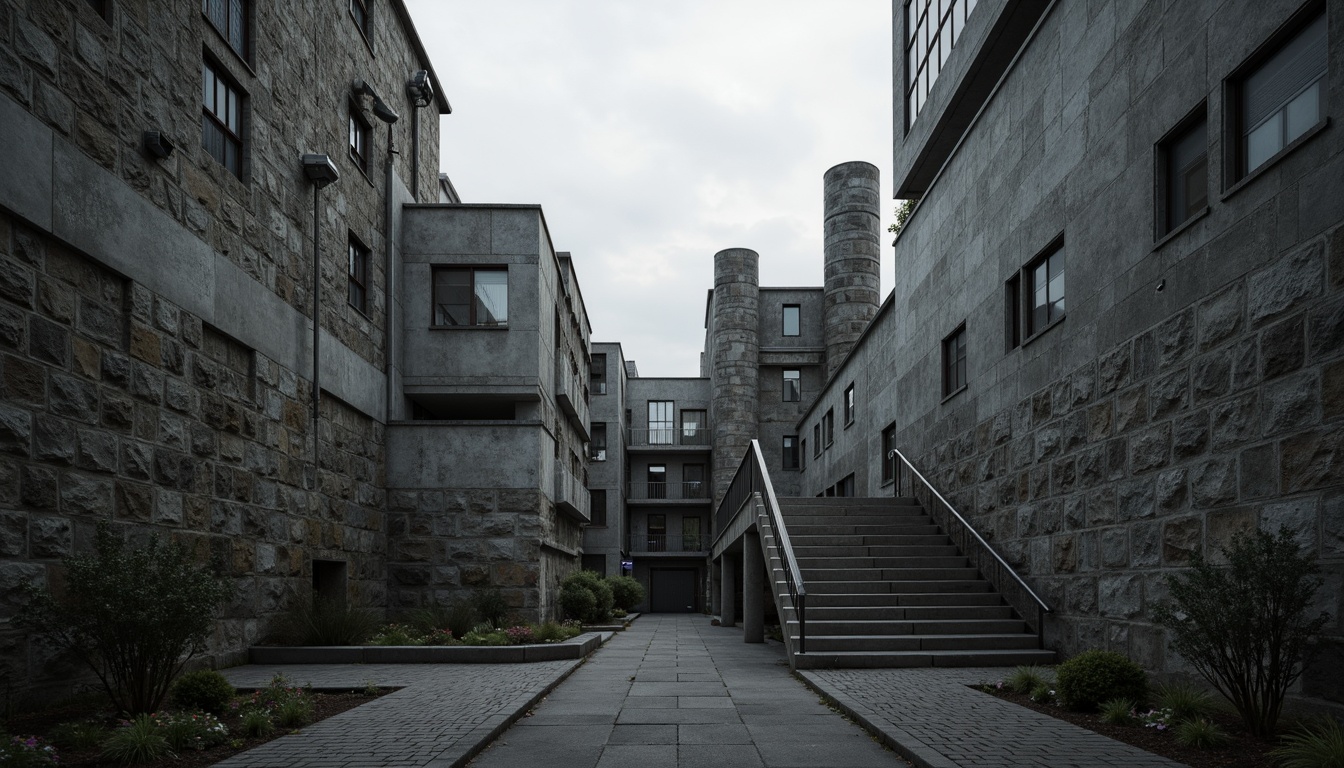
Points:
[[654, 134]]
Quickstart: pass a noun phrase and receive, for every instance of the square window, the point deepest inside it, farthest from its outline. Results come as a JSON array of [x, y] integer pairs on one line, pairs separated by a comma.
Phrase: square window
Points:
[[790, 455], [954, 361], [1281, 98], [849, 404], [888, 445], [230, 19], [793, 386], [471, 296], [792, 319], [222, 118], [358, 275], [359, 139]]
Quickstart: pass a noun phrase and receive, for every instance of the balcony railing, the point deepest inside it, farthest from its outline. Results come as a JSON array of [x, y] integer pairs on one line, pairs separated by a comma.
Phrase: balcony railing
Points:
[[668, 542], [670, 436], [692, 491]]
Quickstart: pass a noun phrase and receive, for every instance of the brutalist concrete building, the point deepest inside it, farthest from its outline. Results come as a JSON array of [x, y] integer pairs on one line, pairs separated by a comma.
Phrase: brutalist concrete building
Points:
[[183, 184], [1117, 330]]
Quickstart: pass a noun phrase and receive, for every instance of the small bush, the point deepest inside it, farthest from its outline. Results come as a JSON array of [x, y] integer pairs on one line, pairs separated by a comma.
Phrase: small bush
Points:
[[257, 722], [1092, 677], [1024, 680], [441, 637], [396, 634], [138, 741], [27, 752], [576, 601], [457, 617], [520, 635], [191, 730], [206, 690], [1118, 712], [327, 622], [626, 592], [1185, 701], [490, 605], [1201, 734], [77, 736], [288, 705], [484, 635], [551, 632], [1317, 745], [1042, 694], [295, 712], [574, 606]]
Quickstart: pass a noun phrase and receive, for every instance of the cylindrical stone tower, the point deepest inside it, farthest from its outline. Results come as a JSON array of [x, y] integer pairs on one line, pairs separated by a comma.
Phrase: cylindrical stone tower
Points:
[[853, 261], [735, 367]]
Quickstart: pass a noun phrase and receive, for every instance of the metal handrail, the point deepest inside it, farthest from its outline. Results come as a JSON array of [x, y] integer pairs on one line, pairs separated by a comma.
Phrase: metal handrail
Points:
[[961, 538], [750, 479]]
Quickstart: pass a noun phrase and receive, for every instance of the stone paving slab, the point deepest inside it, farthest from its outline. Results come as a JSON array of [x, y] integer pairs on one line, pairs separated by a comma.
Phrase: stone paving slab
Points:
[[933, 718]]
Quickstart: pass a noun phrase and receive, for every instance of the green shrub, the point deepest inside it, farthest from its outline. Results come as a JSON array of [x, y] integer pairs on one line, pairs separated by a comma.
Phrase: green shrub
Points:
[[551, 632], [1185, 701], [626, 592], [458, 617], [139, 741], [1118, 712], [1024, 680], [257, 722], [289, 706], [327, 622], [205, 689], [191, 730], [1092, 677], [1317, 745], [576, 601], [1042, 694], [577, 607], [396, 634], [1201, 734], [1245, 626], [441, 637], [78, 736], [490, 605], [27, 752], [294, 712]]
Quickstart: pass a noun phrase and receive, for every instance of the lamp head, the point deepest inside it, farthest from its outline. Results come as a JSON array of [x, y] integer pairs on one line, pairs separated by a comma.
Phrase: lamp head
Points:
[[320, 170], [420, 88]]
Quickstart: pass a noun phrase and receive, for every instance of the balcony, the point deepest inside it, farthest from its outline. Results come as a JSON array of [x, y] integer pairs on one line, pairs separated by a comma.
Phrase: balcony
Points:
[[571, 496], [652, 543], [571, 397], [669, 438], [695, 491]]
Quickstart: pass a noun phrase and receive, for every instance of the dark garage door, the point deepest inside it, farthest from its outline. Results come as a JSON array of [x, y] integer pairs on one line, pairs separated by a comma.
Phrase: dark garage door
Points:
[[673, 590]]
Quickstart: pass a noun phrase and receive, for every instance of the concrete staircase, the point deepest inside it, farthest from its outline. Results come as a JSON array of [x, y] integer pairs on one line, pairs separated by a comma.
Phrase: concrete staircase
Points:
[[886, 588]]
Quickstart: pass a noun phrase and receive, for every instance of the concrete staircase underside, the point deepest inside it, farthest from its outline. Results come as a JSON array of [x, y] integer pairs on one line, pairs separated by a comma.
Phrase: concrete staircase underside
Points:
[[886, 588]]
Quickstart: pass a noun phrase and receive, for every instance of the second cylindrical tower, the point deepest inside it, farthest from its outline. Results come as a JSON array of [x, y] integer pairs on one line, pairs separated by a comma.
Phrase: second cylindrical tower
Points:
[[852, 252], [735, 364]]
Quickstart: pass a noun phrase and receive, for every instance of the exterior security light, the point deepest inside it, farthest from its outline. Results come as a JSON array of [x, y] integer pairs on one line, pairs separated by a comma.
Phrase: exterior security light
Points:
[[420, 89], [320, 170], [157, 144], [380, 108]]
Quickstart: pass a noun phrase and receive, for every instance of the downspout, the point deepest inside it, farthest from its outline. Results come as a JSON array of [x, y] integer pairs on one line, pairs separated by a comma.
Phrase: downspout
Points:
[[390, 275]]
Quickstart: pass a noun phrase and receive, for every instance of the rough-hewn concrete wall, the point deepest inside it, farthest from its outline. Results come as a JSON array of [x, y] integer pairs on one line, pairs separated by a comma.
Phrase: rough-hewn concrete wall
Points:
[[852, 250], [735, 370]]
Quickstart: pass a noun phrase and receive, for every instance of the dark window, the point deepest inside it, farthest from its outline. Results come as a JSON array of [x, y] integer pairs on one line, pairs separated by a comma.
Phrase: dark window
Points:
[[358, 275], [802, 454], [222, 119], [595, 563], [359, 11], [846, 486], [954, 361], [849, 404], [467, 296], [597, 505], [1046, 277], [1183, 173], [694, 428], [1012, 305], [693, 481], [691, 541], [790, 458], [793, 385], [359, 139], [657, 533], [662, 430], [1282, 98], [229, 18], [888, 443], [792, 319], [931, 29], [597, 447], [828, 426], [598, 377], [657, 477], [103, 8], [816, 439]]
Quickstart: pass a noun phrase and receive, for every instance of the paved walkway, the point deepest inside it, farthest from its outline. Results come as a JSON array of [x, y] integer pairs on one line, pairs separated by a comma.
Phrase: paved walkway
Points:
[[934, 718], [673, 691]]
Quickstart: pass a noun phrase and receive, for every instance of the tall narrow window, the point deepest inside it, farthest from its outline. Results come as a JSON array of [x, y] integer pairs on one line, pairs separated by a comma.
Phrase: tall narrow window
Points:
[[693, 481], [849, 404], [359, 11], [792, 319], [598, 445], [828, 426], [662, 430], [657, 525], [888, 461], [954, 361], [471, 297], [229, 18], [359, 139], [802, 454], [657, 477], [597, 506], [932, 28], [793, 385], [694, 428], [691, 540], [846, 486], [789, 459], [357, 293], [598, 375], [1183, 172], [222, 119], [1283, 97], [1012, 311], [816, 439]]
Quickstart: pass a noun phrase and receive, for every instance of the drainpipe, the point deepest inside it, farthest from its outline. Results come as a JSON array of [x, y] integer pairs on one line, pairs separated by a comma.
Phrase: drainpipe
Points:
[[320, 171], [389, 275]]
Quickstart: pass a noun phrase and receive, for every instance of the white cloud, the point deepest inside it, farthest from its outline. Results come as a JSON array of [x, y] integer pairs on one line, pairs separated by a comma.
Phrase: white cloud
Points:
[[655, 134]]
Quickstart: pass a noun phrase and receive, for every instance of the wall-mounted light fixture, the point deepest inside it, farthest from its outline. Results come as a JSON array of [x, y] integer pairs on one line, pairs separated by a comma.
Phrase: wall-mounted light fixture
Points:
[[157, 144], [320, 170], [380, 108], [420, 89]]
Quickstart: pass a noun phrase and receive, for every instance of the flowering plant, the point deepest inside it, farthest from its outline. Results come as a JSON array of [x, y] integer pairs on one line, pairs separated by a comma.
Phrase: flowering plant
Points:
[[26, 751], [519, 635], [190, 730], [1161, 719]]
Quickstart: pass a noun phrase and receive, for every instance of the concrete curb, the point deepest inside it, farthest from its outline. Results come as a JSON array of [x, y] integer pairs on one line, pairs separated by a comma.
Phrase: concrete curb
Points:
[[574, 648], [899, 740]]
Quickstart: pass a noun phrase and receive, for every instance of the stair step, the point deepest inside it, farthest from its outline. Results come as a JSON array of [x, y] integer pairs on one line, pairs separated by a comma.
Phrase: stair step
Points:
[[850, 587], [963, 642], [936, 561], [897, 516], [906, 612], [890, 599], [889, 574], [913, 550], [910, 537], [846, 502], [888, 627], [893, 659], [914, 527]]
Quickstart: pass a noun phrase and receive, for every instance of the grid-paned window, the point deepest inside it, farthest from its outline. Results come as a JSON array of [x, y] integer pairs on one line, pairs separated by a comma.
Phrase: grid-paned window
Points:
[[662, 428], [471, 296], [789, 459], [598, 374], [229, 18], [359, 139], [357, 270], [792, 319], [954, 361], [1184, 173], [888, 461], [793, 385], [222, 119], [849, 404], [1282, 98], [932, 27]]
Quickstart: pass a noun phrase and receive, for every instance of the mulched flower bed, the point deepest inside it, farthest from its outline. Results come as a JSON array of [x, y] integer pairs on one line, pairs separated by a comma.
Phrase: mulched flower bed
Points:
[[1243, 751], [326, 703]]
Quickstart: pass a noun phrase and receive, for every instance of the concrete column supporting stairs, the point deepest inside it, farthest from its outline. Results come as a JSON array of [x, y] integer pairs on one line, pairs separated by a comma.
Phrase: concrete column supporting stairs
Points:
[[886, 588]]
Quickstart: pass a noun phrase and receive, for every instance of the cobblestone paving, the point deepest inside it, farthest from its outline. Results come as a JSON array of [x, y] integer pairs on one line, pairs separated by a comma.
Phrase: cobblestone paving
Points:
[[673, 691], [934, 719], [442, 715]]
